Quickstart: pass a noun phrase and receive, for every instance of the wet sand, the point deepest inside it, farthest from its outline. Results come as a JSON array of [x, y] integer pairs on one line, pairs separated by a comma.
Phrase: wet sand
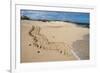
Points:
[[81, 47], [52, 41]]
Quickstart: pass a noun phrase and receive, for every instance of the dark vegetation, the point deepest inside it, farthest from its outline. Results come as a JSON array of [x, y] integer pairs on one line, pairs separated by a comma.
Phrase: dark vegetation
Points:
[[83, 25], [25, 18]]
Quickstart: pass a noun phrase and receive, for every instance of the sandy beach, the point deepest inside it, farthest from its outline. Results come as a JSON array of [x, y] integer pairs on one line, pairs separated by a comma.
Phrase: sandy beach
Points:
[[53, 41]]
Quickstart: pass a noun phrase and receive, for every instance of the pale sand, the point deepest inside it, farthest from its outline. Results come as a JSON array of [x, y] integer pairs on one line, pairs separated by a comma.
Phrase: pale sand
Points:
[[61, 37]]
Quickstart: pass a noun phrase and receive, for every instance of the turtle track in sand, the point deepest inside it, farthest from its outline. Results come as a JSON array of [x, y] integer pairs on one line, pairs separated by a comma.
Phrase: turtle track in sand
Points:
[[40, 41]]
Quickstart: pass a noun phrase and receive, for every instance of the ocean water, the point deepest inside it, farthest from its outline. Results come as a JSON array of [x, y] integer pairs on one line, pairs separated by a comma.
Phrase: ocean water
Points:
[[76, 17]]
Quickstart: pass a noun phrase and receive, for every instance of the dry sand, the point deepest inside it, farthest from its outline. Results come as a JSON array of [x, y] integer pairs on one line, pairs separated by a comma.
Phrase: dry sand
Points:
[[53, 41]]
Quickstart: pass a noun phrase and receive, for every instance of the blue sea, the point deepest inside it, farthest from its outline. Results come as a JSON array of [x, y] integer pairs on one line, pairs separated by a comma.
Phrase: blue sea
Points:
[[77, 17]]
